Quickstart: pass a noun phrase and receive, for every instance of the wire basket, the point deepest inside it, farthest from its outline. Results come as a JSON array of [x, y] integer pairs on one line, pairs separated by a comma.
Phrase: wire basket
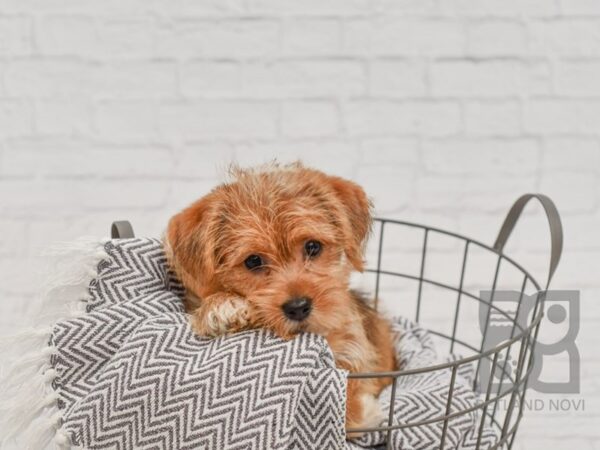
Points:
[[488, 355], [502, 366]]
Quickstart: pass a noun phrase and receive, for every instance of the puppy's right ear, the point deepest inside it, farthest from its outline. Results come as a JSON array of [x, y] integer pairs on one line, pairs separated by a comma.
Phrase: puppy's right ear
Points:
[[190, 246], [358, 218]]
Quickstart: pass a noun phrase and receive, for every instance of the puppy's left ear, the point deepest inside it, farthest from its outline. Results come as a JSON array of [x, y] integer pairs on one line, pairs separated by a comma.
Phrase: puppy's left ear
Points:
[[358, 219]]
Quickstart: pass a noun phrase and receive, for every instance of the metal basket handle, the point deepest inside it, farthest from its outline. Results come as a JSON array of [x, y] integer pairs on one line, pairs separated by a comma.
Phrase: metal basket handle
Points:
[[556, 231], [121, 229]]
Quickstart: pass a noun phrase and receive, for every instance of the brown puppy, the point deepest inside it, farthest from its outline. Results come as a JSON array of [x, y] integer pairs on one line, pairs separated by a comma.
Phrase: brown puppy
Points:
[[275, 249]]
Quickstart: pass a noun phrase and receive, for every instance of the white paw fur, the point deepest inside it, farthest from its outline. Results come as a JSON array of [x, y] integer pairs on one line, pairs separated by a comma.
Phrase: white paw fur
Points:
[[373, 415], [232, 314]]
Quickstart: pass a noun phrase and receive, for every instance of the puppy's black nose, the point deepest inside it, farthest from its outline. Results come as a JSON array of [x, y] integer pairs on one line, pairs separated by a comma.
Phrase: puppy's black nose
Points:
[[297, 308]]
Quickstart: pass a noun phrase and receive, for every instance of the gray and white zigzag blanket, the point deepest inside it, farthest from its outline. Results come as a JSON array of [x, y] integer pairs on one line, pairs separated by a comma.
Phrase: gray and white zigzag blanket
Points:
[[118, 367]]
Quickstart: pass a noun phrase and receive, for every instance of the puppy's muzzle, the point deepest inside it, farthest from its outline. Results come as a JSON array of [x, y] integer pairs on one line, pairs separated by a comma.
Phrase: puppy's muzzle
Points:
[[297, 308]]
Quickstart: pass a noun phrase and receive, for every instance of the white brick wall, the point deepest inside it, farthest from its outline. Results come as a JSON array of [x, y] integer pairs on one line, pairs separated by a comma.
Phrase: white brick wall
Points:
[[445, 111]]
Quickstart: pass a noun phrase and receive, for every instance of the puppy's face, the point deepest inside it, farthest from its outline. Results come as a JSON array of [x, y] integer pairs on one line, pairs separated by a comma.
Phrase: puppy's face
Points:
[[285, 239]]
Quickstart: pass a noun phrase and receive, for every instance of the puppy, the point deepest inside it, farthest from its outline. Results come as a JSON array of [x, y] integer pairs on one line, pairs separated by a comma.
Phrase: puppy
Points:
[[275, 249]]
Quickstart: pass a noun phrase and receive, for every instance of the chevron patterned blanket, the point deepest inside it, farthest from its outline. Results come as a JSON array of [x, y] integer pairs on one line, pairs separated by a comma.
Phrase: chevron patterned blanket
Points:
[[118, 367]]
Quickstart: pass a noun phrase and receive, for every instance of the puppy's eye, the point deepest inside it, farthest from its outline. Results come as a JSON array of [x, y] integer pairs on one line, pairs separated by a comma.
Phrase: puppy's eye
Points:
[[312, 248], [253, 262]]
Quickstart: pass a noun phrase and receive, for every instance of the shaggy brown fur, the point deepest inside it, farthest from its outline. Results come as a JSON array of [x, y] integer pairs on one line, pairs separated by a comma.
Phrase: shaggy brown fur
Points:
[[271, 213]]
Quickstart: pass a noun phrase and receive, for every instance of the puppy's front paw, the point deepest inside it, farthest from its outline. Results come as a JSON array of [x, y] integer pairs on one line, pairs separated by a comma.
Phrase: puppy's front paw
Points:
[[221, 314], [371, 415]]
